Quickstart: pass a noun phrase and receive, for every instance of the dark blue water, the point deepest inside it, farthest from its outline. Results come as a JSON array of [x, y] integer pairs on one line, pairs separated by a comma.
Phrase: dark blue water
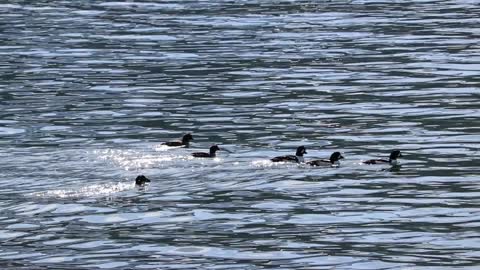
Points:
[[90, 89]]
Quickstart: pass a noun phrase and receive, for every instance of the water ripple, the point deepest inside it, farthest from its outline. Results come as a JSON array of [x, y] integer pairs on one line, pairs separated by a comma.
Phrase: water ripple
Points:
[[90, 90]]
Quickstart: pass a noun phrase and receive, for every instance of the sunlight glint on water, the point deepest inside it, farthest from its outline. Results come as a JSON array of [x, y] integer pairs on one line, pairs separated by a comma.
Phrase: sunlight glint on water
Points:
[[90, 89]]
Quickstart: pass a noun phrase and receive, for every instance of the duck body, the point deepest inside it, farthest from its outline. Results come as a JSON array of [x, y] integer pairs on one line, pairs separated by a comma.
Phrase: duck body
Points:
[[392, 160], [141, 180], [319, 162], [376, 161], [210, 154], [288, 158], [334, 160], [298, 157], [185, 142]]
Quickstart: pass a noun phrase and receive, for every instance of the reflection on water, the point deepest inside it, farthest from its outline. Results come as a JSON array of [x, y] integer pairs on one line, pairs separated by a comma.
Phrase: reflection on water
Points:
[[87, 191], [89, 90]]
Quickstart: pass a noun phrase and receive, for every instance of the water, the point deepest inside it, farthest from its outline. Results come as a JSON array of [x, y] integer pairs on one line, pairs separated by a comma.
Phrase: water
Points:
[[90, 89]]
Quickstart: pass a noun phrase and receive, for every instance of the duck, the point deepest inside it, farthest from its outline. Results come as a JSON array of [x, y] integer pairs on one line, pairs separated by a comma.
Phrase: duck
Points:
[[392, 160], [334, 160], [184, 143], [298, 157], [214, 148], [141, 180]]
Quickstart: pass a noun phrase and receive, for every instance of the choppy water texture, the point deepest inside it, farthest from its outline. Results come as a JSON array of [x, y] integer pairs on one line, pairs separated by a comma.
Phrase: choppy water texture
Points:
[[89, 90]]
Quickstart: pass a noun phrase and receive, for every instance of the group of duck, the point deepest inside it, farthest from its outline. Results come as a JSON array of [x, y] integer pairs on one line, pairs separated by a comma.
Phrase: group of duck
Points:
[[334, 159]]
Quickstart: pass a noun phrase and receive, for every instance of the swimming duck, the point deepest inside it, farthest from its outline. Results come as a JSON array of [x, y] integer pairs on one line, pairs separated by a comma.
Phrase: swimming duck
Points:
[[213, 149], [391, 160], [185, 141], [334, 160], [298, 157], [141, 180]]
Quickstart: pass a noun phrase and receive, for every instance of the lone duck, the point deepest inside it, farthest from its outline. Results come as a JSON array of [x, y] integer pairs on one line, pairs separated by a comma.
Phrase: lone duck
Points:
[[211, 154], [185, 141], [141, 180], [392, 160], [334, 160], [298, 157]]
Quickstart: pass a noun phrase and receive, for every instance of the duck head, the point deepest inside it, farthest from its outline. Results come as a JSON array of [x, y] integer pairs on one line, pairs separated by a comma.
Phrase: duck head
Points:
[[335, 157], [395, 154], [214, 148], [141, 180], [301, 150], [187, 137]]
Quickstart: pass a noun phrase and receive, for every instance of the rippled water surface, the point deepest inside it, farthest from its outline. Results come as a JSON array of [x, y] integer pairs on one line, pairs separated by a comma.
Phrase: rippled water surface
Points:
[[90, 89]]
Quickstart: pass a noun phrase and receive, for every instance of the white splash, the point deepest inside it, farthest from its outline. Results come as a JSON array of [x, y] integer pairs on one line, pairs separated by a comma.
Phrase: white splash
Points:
[[87, 191], [132, 159], [262, 163]]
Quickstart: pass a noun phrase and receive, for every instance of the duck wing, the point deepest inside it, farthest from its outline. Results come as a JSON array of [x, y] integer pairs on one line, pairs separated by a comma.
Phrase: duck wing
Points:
[[174, 143], [375, 161], [201, 154], [319, 162], [289, 158]]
